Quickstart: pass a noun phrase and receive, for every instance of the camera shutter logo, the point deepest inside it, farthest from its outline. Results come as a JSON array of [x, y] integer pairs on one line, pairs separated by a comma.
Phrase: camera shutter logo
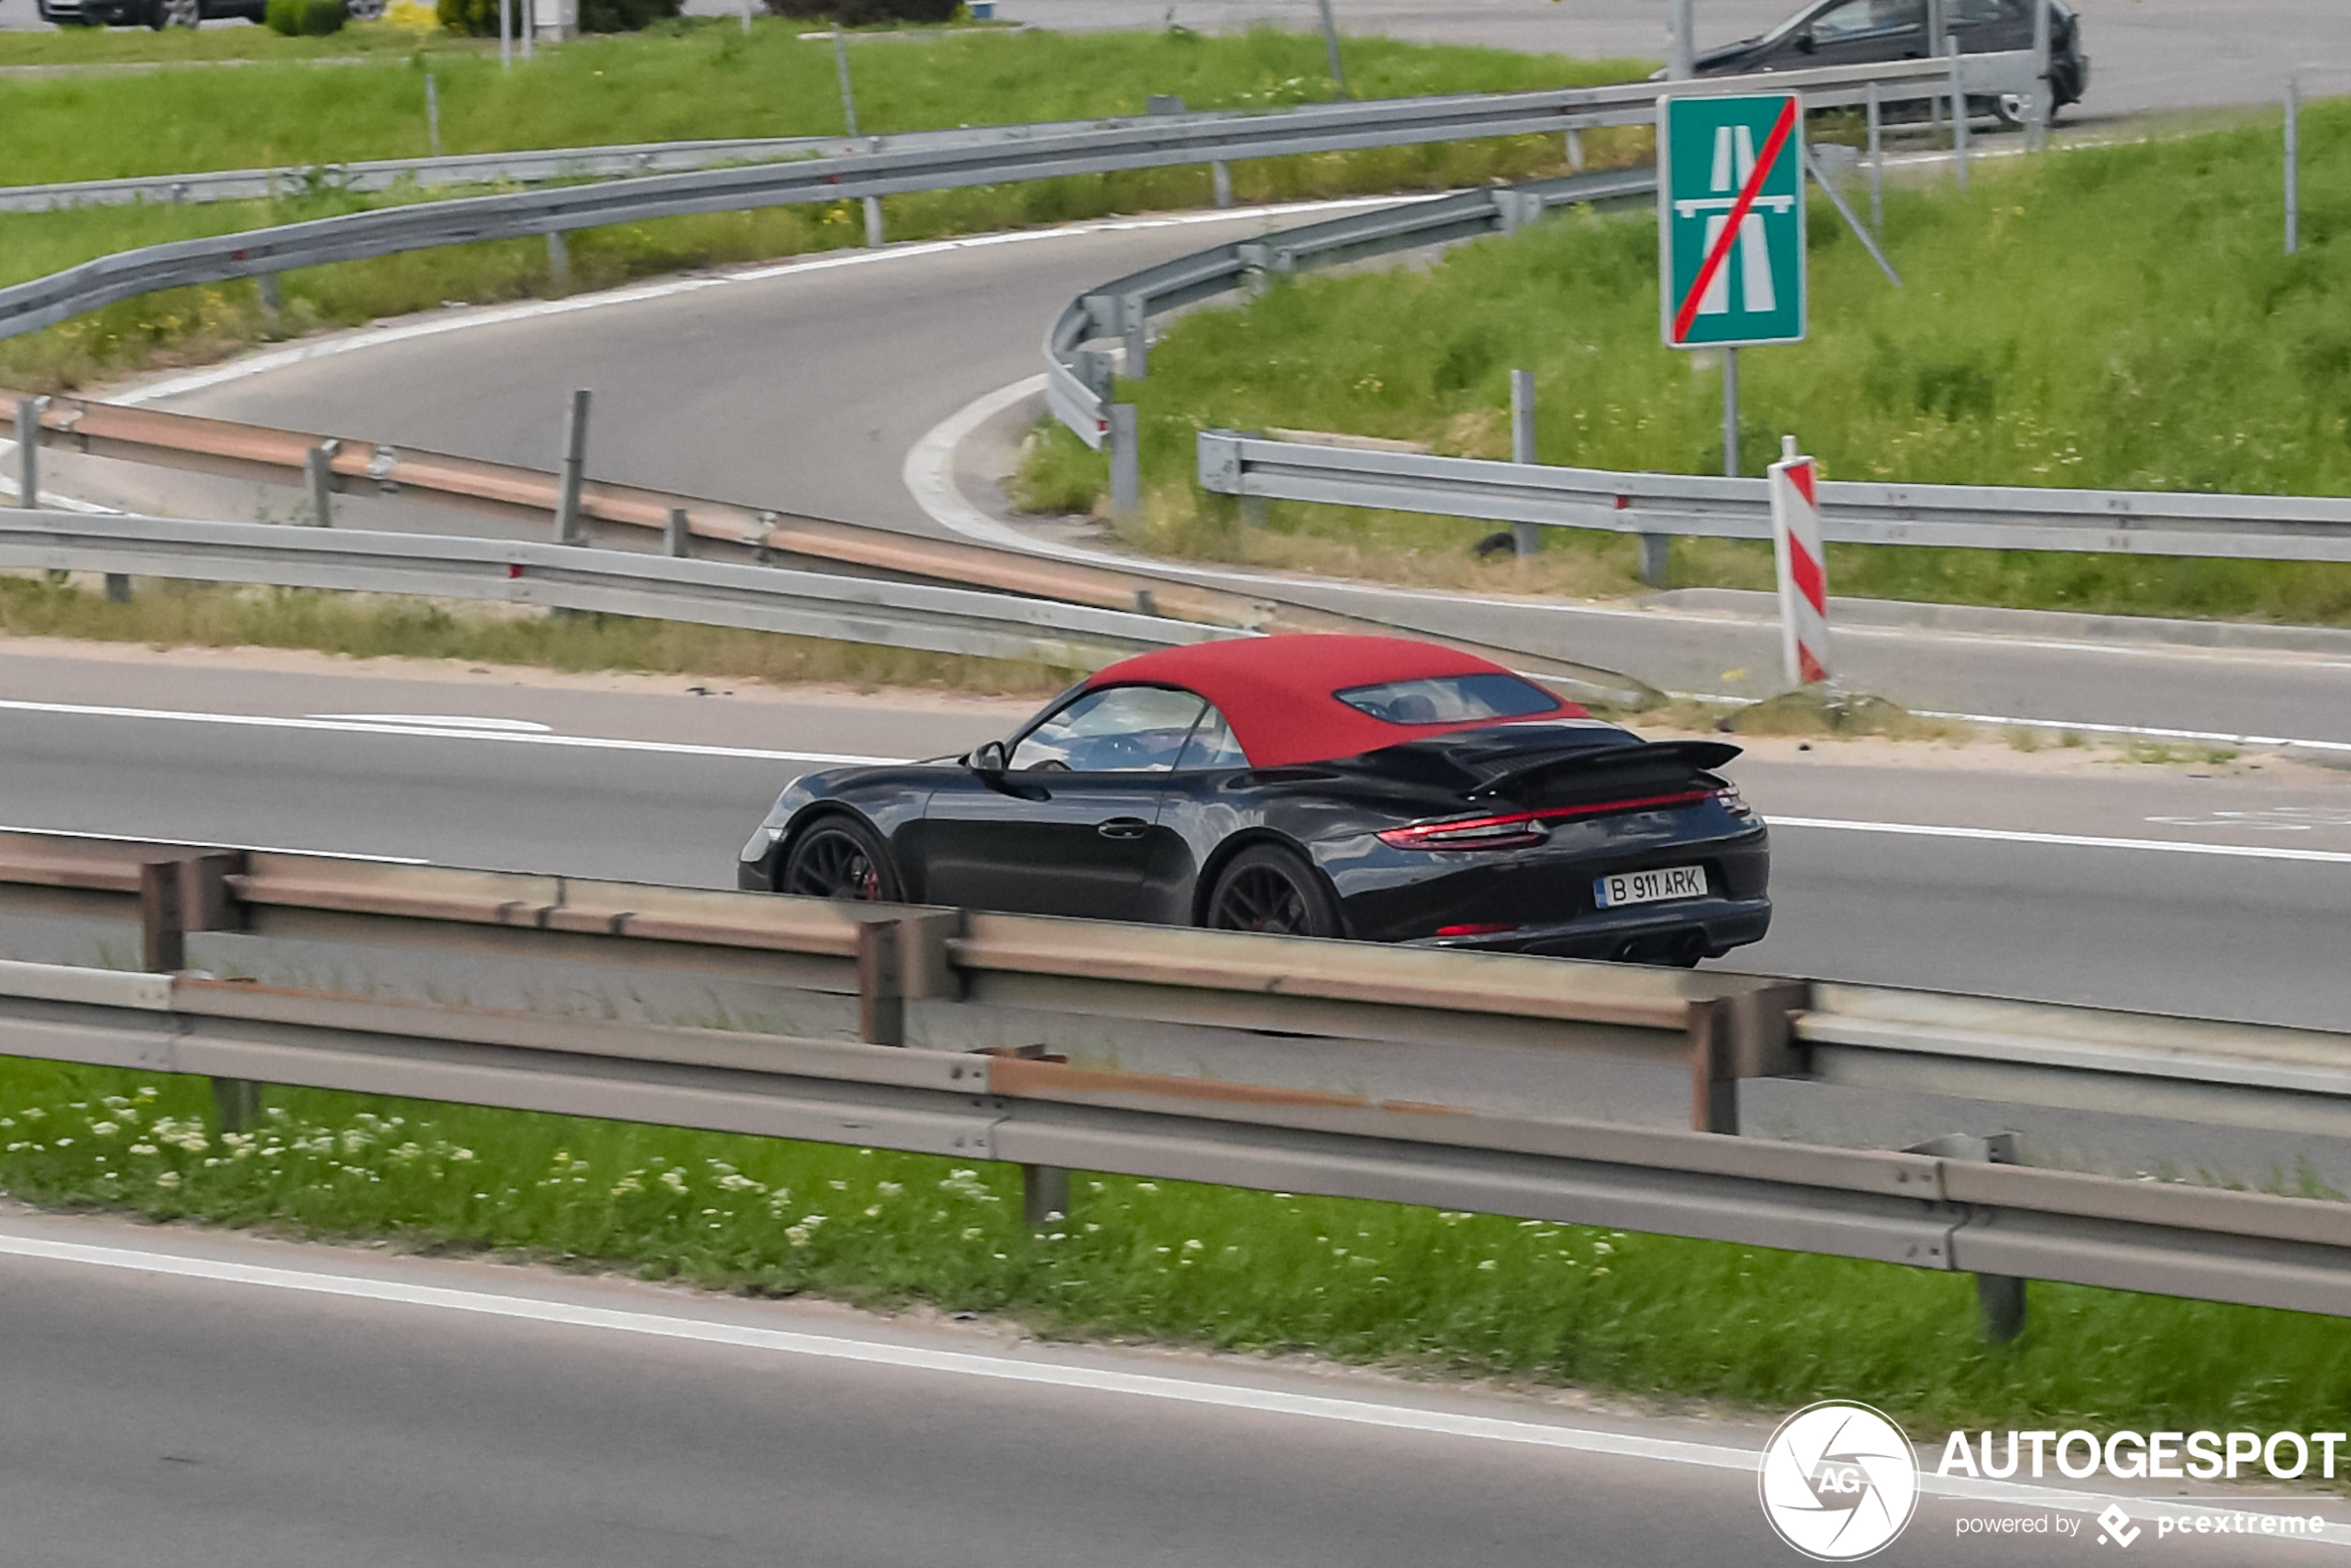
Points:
[[1838, 1481]]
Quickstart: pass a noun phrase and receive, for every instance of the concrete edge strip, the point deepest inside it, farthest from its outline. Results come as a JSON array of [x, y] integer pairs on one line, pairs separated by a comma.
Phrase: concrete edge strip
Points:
[[1053, 1373]]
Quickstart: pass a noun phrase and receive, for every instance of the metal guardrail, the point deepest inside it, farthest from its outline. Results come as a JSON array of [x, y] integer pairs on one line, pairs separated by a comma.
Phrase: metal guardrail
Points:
[[849, 609], [1078, 380], [945, 1032], [1150, 144], [525, 166], [2269, 528], [751, 534]]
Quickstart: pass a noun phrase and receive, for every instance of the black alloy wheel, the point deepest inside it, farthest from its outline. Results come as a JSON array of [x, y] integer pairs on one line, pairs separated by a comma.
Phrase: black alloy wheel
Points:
[[839, 859], [1268, 889]]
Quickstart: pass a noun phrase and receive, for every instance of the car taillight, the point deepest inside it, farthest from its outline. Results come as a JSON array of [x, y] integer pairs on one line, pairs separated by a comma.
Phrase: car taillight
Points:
[[1521, 828], [1473, 930], [1730, 800]]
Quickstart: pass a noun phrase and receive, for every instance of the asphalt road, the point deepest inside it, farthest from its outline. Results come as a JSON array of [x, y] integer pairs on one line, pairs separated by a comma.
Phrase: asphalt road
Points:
[[2031, 911], [207, 1399]]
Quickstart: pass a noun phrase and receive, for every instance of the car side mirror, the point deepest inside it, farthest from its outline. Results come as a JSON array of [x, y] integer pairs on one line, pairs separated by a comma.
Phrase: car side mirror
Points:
[[1804, 45], [990, 758]]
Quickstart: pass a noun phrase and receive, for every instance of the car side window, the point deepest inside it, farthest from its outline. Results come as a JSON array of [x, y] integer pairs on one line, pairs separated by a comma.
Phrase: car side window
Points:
[[1977, 13], [1212, 746], [1857, 19], [1119, 730]]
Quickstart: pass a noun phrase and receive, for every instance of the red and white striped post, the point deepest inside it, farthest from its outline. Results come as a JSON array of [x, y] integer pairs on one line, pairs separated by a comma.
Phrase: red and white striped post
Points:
[[1803, 569]]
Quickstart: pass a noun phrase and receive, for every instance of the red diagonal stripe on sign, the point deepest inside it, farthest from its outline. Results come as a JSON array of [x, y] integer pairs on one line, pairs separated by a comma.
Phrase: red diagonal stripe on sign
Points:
[[1782, 128], [1808, 670], [1810, 580], [1800, 476]]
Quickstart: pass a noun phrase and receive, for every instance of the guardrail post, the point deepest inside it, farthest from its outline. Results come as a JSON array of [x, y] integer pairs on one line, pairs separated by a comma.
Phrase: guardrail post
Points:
[[1526, 538], [163, 931], [118, 587], [1877, 167], [273, 299], [236, 1101], [575, 463], [1959, 115], [840, 69], [677, 534], [903, 957], [881, 1001], [873, 237], [319, 471], [1125, 461], [558, 259], [1746, 1036], [28, 452], [2292, 164], [506, 34], [2000, 1296], [1135, 324], [432, 115], [1330, 47], [1044, 1193], [1220, 174], [1576, 152]]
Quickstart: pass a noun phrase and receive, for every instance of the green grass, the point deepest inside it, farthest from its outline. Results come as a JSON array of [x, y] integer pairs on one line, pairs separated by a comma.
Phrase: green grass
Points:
[[692, 82], [171, 615], [1449, 1292], [2105, 318], [69, 46]]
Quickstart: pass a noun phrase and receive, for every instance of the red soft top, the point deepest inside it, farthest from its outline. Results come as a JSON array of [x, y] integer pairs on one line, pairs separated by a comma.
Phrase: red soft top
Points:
[[1276, 692]]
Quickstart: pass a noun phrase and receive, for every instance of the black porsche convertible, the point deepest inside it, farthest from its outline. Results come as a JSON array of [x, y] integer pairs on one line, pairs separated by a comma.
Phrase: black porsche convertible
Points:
[[1326, 785]]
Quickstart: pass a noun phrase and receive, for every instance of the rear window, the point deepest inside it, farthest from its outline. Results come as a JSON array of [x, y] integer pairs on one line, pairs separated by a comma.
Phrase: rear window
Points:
[[1450, 699]]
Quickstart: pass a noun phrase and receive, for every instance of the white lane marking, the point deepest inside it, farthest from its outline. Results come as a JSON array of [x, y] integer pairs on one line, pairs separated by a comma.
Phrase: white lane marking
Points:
[[430, 732], [2065, 840], [2148, 731], [444, 721], [1039, 1372], [206, 844], [460, 321]]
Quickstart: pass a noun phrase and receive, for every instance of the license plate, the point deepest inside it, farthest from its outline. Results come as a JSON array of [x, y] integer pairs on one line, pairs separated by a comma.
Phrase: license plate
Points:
[[1650, 886]]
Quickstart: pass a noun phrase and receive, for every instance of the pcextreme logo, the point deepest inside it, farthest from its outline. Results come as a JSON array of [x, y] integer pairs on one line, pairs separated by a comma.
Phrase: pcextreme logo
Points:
[[1838, 1481]]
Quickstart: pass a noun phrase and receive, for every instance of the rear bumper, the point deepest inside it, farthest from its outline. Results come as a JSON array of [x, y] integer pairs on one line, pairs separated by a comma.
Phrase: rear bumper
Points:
[[1693, 928]]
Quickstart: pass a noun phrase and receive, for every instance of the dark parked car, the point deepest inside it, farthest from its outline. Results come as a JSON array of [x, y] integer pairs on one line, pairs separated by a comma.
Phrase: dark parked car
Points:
[[156, 14], [1324, 786], [1852, 33]]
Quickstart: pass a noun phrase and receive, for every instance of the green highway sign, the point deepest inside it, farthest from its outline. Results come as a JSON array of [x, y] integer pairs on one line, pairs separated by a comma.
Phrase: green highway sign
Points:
[[1730, 220]]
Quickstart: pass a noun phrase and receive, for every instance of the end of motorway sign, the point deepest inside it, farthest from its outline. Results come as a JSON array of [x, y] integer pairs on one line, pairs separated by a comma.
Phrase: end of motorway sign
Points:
[[1730, 220]]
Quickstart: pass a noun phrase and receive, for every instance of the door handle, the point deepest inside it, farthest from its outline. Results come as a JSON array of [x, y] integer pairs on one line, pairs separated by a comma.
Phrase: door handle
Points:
[[1123, 827]]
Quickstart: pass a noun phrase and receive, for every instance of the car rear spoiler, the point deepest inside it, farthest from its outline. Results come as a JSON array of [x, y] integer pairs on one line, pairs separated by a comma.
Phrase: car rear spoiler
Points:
[[1651, 757]]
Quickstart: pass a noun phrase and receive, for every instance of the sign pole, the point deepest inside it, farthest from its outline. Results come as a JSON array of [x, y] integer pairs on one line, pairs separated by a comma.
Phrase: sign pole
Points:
[[1681, 48], [1731, 413]]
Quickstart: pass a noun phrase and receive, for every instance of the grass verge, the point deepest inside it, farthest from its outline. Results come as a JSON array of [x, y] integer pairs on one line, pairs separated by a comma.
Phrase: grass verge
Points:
[[2119, 316], [1428, 1290], [691, 82], [168, 615]]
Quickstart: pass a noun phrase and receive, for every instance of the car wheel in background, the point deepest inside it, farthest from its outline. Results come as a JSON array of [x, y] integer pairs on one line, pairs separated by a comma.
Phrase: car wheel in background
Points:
[[837, 858], [366, 10], [1266, 888], [175, 13]]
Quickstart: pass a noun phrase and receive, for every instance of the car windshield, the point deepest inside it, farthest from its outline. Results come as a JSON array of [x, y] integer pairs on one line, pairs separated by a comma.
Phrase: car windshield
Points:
[[1120, 729], [1450, 699]]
